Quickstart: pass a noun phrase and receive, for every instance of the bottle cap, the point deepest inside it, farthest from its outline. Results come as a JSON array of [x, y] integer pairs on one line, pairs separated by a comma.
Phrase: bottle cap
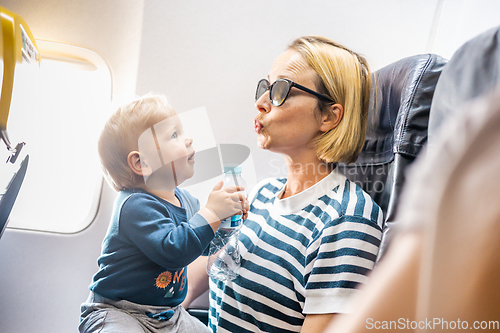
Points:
[[232, 168]]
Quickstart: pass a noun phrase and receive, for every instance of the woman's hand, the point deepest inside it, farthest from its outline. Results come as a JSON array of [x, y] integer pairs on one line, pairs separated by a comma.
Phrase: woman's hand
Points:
[[246, 208]]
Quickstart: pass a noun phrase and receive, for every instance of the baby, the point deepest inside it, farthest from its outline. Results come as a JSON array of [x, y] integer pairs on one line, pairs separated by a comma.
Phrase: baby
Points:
[[156, 229]]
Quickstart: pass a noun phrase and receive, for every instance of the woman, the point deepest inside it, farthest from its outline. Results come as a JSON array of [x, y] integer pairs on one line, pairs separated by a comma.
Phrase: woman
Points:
[[311, 237]]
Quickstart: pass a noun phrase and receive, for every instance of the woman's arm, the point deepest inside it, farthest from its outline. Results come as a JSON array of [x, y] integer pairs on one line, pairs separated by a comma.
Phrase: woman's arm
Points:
[[316, 322], [197, 280]]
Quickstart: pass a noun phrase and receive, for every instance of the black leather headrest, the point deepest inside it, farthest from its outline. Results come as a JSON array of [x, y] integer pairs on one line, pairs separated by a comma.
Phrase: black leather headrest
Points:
[[473, 70], [399, 112]]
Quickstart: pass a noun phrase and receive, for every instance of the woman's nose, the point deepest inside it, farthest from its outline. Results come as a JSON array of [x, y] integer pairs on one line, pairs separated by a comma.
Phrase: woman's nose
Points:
[[263, 104]]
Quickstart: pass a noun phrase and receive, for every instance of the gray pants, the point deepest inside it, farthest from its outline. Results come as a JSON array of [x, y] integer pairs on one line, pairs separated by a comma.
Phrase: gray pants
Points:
[[103, 315]]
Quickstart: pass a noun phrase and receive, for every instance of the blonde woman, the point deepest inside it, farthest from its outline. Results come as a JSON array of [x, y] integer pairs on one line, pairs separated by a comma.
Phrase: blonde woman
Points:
[[312, 237]]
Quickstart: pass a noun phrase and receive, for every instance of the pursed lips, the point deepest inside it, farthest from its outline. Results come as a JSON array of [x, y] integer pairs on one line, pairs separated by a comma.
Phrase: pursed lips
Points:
[[258, 126]]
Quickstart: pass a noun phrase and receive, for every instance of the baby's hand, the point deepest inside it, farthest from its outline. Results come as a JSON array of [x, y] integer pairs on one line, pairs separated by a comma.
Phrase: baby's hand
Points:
[[227, 201]]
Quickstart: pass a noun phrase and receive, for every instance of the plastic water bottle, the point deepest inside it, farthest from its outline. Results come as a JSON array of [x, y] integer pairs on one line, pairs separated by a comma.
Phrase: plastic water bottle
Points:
[[224, 257]]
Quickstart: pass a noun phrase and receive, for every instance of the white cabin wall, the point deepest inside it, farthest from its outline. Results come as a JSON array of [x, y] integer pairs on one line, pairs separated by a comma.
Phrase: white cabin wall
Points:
[[461, 20], [44, 277]]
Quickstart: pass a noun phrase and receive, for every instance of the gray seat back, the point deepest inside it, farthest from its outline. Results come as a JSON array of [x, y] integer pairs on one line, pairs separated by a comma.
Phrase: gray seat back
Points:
[[397, 130]]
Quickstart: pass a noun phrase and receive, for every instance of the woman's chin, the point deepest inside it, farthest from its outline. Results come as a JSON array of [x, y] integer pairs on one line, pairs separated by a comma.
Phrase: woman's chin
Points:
[[263, 142]]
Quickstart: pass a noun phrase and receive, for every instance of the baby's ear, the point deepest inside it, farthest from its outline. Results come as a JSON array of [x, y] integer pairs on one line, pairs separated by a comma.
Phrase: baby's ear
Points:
[[137, 165]]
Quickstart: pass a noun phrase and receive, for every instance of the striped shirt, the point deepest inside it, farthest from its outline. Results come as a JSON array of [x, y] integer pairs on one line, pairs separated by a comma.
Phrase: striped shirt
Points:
[[302, 254]]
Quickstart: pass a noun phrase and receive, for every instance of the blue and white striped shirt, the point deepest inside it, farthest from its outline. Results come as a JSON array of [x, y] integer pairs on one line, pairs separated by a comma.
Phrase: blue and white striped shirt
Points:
[[301, 255]]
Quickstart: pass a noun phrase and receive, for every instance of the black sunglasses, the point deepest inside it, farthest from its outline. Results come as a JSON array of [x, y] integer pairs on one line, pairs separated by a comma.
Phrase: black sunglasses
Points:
[[279, 90]]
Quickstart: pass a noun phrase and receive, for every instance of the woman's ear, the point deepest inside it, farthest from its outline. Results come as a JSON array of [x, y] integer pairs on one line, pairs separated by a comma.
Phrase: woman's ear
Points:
[[332, 119], [137, 165]]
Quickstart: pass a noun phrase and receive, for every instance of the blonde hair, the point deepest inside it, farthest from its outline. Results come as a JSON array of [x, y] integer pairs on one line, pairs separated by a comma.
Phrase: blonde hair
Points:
[[121, 133], [345, 77]]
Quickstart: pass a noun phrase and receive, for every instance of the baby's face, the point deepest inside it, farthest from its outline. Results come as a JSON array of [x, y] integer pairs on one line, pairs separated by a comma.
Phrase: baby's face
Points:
[[169, 154]]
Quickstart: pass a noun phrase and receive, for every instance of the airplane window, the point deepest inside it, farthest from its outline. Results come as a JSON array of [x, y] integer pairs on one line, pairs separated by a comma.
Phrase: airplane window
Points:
[[58, 111]]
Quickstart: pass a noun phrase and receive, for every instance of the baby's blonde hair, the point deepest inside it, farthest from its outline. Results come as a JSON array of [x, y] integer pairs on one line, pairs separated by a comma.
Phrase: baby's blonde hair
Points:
[[345, 77], [121, 133]]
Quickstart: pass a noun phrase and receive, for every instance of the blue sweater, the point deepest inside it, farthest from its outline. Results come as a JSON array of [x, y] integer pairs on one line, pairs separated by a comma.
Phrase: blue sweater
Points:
[[147, 247]]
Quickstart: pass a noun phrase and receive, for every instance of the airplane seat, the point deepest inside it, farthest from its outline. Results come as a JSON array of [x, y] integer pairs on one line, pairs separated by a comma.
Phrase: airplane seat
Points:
[[459, 273], [398, 117], [473, 70], [17, 46]]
